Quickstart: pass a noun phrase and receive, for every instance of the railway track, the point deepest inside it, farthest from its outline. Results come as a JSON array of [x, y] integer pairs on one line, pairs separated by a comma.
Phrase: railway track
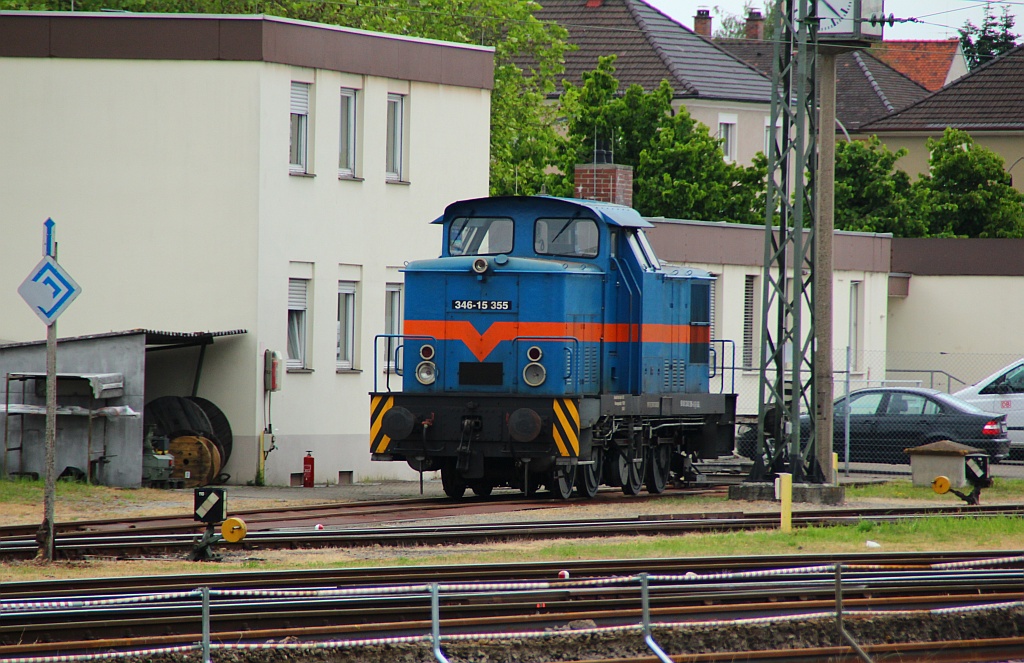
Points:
[[296, 527], [740, 595]]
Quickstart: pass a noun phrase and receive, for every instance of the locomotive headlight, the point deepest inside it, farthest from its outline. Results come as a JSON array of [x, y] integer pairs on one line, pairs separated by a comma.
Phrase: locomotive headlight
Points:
[[534, 374], [426, 372], [534, 353], [480, 265], [427, 351]]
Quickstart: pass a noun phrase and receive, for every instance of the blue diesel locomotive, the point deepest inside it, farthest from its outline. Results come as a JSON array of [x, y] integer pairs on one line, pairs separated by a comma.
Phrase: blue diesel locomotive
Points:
[[548, 347]]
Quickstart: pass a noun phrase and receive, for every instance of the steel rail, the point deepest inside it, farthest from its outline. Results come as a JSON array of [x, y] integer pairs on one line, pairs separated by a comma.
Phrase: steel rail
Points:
[[479, 572], [553, 616], [82, 544], [946, 651], [881, 586]]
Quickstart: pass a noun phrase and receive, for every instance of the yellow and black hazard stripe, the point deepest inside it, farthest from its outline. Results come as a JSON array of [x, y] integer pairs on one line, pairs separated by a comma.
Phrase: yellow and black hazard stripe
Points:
[[378, 406], [566, 427]]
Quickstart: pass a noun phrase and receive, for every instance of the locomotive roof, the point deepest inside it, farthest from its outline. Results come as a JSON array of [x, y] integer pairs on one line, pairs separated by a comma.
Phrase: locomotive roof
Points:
[[615, 215]]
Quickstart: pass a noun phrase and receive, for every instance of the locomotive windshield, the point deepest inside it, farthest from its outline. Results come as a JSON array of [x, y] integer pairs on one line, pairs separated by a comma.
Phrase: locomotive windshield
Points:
[[573, 238], [480, 235]]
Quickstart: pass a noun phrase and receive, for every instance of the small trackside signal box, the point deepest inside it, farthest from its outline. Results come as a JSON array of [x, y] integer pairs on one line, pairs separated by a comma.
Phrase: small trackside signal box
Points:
[[211, 505]]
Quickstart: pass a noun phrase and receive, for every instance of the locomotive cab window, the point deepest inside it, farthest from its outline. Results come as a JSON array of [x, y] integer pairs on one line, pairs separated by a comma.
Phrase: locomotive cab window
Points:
[[573, 238], [474, 236], [642, 257]]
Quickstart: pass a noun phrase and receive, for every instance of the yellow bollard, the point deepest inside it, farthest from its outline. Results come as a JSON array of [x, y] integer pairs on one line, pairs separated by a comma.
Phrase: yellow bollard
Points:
[[785, 489], [835, 469]]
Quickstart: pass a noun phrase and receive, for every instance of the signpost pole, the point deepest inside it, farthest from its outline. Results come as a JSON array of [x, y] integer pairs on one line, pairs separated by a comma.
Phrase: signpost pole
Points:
[[46, 539], [49, 290]]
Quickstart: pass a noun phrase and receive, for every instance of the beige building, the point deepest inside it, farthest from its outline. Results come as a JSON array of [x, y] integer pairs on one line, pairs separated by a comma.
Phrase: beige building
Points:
[[245, 172], [734, 253]]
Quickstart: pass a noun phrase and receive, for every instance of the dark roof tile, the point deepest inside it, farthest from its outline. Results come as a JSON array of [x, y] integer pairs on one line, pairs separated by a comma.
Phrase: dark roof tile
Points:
[[652, 47], [989, 98], [866, 88]]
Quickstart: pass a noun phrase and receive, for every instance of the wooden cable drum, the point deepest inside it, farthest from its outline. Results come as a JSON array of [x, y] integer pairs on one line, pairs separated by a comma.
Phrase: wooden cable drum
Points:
[[196, 460], [219, 425]]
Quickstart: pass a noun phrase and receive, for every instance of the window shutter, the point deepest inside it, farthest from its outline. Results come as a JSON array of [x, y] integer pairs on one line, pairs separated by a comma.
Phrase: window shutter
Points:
[[296, 294], [748, 321], [300, 98]]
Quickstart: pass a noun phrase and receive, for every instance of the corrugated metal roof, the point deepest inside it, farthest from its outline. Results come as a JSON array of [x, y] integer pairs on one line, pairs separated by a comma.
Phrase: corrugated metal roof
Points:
[[153, 337]]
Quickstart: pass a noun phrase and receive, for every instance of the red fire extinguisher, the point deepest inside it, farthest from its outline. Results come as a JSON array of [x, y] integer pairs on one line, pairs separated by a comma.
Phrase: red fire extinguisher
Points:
[[307, 470]]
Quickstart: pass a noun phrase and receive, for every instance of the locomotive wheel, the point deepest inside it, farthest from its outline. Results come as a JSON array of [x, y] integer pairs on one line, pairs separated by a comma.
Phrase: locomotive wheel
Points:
[[563, 478], [452, 482], [659, 467], [588, 477], [635, 461], [480, 488]]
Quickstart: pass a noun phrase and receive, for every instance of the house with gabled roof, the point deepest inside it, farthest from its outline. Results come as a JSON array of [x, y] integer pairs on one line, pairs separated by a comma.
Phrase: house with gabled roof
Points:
[[933, 63], [724, 93], [866, 87], [987, 103]]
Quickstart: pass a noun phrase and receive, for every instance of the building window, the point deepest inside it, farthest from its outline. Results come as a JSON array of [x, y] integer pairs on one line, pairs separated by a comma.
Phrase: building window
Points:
[[299, 128], [854, 340], [347, 140], [750, 322], [396, 111], [346, 325], [393, 323], [298, 323], [727, 133]]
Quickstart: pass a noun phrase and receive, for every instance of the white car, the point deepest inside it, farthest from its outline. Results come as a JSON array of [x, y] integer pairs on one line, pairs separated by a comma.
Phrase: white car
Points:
[[1002, 393]]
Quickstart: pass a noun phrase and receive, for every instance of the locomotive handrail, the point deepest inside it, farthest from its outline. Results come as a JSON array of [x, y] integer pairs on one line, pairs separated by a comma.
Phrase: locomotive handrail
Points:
[[575, 341], [378, 337], [731, 368]]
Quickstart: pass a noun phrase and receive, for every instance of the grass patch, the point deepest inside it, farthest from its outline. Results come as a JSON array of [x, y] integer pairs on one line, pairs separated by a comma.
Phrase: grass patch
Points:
[[1002, 490], [934, 534]]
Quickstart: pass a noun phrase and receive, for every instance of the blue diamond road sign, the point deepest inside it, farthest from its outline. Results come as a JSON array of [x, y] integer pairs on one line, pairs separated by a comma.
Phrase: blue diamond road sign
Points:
[[49, 290]]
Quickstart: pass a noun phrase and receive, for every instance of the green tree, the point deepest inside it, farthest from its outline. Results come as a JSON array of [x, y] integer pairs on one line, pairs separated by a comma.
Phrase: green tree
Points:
[[967, 192], [524, 141], [871, 195], [679, 168], [990, 40]]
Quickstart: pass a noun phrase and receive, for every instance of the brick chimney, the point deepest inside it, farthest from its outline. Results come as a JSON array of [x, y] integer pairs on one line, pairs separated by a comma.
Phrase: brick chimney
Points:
[[607, 182], [702, 22], [755, 25]]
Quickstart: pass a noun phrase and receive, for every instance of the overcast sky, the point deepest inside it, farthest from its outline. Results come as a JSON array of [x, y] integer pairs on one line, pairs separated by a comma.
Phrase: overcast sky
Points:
[[940, 19]]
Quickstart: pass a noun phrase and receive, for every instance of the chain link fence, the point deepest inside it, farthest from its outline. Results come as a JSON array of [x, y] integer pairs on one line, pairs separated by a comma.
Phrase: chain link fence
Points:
[[878, 427]]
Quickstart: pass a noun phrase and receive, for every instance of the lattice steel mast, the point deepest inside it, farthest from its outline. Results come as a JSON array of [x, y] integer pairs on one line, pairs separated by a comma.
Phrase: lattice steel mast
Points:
[[786, 443]]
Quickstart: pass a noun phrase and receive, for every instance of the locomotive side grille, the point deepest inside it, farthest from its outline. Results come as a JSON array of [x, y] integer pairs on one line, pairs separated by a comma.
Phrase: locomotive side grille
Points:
[[590, 365], [566, 428], [485, 374], [379, 405], [674, 375]]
